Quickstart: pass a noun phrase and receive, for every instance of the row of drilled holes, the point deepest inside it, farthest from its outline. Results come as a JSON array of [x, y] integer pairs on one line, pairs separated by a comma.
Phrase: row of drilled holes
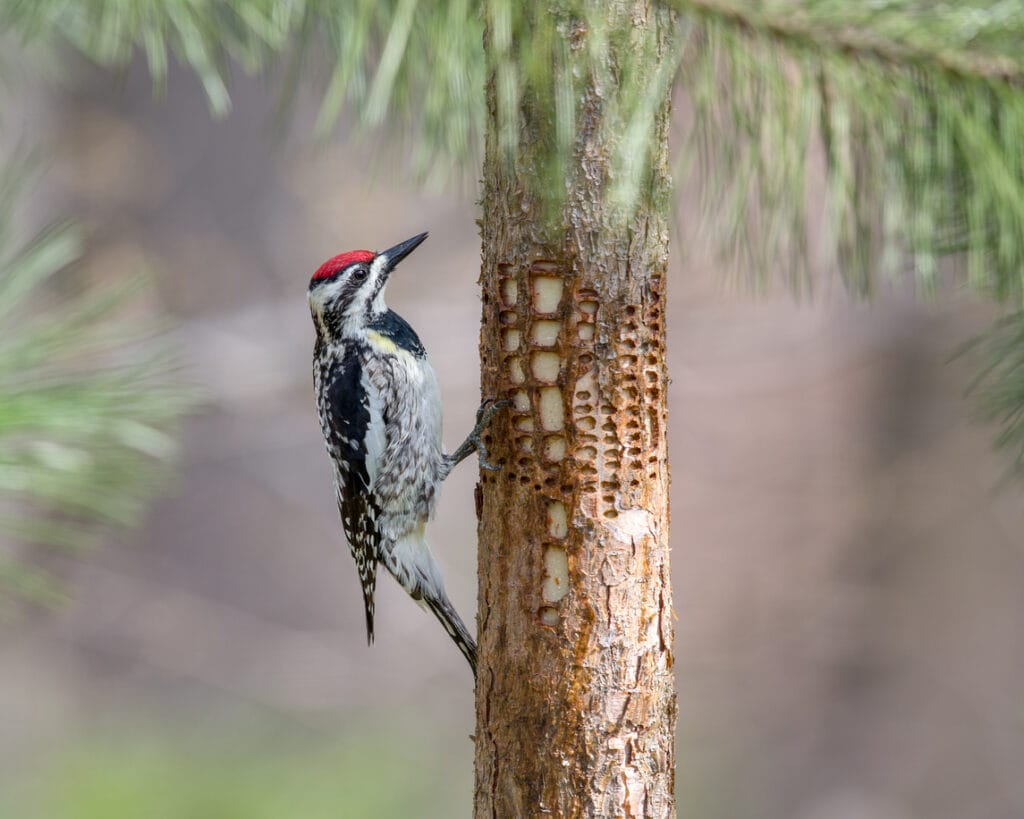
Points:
[[545, 367]]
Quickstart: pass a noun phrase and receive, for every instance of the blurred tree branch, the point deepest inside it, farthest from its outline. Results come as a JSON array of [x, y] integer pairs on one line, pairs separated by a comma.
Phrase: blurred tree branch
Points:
[[919, 107], [973, 40], [89, 401], [999, 385]]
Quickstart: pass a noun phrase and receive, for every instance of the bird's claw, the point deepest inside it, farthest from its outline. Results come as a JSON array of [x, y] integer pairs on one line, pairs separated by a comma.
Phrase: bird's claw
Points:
[[481, 452], [488, 409]]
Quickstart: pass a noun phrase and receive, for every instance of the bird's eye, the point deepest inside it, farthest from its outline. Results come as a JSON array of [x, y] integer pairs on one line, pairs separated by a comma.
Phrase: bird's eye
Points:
[[360, 274]]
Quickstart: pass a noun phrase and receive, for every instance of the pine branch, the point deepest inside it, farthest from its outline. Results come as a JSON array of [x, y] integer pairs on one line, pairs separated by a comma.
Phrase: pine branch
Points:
[[89, 403], [912, 111], [903, 35], [207, 35], [999, 386], [920, 161]]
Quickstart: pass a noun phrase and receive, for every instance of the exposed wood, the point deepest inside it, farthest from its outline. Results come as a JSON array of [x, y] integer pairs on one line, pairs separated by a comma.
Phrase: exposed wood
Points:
[[575, 697]]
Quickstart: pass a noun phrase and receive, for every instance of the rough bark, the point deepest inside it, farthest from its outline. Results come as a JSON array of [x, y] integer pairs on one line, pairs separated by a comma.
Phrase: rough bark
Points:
[[575, 698]]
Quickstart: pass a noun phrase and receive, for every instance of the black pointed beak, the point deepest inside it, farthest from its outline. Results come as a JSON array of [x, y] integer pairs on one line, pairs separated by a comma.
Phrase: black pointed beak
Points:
[[395, 254]]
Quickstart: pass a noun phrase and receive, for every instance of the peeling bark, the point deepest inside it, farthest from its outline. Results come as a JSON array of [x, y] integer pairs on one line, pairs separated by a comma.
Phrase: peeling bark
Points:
[[575, 698]]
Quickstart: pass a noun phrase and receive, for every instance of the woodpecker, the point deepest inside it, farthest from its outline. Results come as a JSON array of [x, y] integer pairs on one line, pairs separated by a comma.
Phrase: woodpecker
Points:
[[380, 412]]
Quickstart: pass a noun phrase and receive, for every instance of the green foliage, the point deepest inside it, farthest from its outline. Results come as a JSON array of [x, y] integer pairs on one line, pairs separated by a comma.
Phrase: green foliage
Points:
[[419, 64], [918, 124], [919, 106], [204, 34], [918, 111], [87, 404], [416, 65], [911, 111], [979, 38], [999, 386]]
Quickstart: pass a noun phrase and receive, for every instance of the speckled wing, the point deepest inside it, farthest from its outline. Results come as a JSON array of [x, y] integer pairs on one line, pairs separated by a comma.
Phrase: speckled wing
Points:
[[405, 431], [346, 413]]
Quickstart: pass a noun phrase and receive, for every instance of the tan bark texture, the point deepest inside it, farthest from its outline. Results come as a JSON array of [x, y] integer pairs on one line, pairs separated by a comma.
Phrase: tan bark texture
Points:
[[575, 696]]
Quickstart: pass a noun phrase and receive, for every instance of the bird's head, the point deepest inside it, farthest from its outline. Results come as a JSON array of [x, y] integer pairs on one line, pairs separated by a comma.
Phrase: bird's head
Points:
[[346, 292]]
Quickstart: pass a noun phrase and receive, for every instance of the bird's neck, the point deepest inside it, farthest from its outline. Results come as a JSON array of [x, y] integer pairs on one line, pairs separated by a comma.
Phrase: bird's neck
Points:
[[391, 332], [334, 328]]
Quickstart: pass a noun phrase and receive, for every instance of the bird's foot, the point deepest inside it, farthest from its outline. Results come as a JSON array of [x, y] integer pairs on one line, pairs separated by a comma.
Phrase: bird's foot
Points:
[[488, 409], [474, 441]]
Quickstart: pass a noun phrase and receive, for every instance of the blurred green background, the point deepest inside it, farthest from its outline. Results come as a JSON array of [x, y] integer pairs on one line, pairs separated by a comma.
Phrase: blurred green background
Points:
[[847, 576], [258, 773]]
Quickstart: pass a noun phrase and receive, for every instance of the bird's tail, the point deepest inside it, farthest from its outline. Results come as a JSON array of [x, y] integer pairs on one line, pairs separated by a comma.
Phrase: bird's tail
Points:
[[368, 581], [410, 562], [444, 611]]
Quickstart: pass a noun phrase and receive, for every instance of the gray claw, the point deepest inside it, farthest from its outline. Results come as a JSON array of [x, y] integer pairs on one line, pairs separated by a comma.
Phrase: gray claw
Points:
[[481, 451], [488, 409]]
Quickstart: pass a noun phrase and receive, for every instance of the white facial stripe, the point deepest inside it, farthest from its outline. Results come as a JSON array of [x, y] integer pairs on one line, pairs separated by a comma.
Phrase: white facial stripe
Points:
[[378, 266], [323, 294], [378, 269]]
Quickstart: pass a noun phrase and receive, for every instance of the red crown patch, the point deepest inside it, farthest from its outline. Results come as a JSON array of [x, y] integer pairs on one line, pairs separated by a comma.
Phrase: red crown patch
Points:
[[341, 261]]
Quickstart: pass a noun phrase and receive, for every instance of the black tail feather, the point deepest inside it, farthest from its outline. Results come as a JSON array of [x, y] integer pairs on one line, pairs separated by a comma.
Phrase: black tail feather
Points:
[[445, 612], [368, 581]]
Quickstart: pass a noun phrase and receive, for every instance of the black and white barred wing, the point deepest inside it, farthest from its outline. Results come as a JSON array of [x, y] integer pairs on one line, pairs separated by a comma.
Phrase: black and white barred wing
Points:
[[406, 426], [346, 414]]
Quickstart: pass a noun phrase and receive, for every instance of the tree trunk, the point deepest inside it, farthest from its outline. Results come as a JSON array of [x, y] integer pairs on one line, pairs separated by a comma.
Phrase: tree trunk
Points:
[[575, 699]]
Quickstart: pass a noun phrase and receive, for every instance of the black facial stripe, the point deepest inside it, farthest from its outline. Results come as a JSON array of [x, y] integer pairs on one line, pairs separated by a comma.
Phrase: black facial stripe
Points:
[[378, 286], [351, 285]]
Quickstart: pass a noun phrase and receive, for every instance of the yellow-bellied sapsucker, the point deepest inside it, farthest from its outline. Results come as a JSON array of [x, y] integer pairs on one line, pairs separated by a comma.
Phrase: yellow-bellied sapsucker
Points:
[[380, 412]]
